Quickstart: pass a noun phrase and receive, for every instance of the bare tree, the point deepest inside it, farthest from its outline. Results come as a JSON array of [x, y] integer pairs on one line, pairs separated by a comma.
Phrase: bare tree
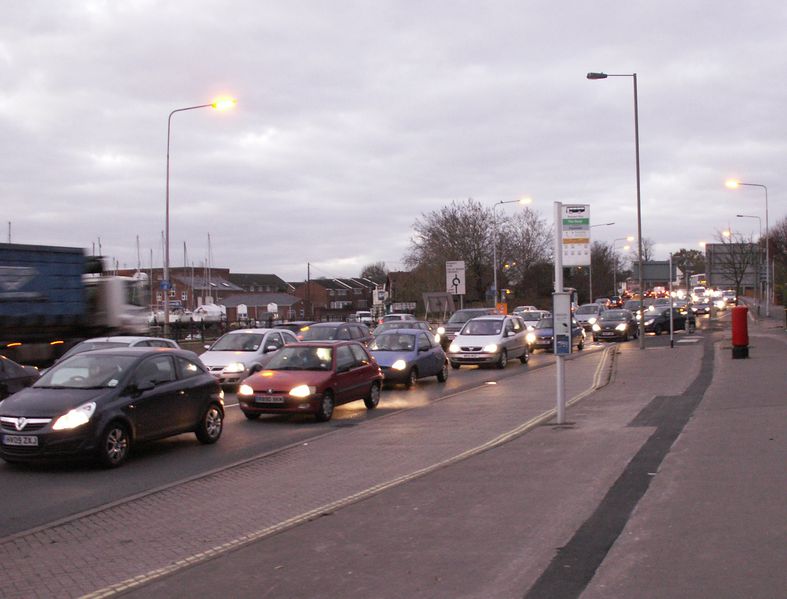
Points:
[[376, 271], [648, 250], [735, 257], [525, 250], [692, 261]]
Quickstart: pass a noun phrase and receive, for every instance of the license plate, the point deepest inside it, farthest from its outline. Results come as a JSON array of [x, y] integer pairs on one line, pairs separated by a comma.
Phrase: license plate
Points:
[[269, 399], [24, 440], [607, 334]]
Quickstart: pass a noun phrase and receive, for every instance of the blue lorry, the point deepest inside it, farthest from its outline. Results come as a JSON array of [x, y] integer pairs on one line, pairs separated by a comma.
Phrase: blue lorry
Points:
[[53, 297]]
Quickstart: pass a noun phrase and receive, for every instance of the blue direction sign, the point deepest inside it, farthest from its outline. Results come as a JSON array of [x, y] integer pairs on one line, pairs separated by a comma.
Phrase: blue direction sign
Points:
[[165, 285]]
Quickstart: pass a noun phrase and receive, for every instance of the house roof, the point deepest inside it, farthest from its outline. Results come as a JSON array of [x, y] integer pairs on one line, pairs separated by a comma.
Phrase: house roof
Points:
[[216, 284], [256, 280]]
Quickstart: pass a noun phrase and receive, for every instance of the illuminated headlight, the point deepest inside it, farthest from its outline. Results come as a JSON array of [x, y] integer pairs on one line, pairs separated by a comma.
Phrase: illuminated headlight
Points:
[[592, 320], [648, 322], [302, 391], [621, 327], [530, 337], [453, 348], [437, 337], [441, 330], [245, 390], [596, 328], [720, 304], [76, 417], [491, 348], [399, 365], [234, 367]]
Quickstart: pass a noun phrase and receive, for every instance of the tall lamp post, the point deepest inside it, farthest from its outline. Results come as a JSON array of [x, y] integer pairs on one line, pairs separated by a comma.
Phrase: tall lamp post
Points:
[[523, 202], [219, 104], [733, 184], [628, 238], [759, 284], [590, 264], [593, 76]]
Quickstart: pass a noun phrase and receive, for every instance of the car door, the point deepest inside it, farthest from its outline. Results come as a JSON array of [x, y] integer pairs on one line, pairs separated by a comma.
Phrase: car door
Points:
[[365, 368], [156, 411], [346, 379], [196, 390], [429, 352]]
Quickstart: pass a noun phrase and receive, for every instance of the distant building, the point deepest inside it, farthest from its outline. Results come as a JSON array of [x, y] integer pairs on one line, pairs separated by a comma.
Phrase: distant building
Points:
[[335, 299], [260, 283]]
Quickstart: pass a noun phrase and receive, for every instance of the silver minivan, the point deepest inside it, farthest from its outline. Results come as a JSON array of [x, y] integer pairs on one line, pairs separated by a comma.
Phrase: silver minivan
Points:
[[238, 354], [494, 339]]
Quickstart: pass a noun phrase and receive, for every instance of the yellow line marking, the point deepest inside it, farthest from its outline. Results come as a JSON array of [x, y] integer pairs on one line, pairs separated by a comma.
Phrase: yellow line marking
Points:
[[339, 503]]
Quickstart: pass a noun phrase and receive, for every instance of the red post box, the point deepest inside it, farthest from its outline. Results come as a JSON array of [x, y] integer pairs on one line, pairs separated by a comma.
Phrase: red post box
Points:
[[740, 332]]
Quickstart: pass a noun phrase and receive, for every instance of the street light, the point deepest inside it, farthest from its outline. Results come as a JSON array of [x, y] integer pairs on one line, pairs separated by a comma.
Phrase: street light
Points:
[[759, 267], [734, 184], [593, 76], [590, 263], [521, 201], [218, 104], [628, 238]]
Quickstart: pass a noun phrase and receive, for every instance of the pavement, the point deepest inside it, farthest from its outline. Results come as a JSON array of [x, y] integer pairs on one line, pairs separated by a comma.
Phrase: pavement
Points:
[[668, 480]]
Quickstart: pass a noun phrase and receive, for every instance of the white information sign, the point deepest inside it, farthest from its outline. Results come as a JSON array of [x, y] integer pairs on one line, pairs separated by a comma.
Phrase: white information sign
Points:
[[575, 240], [455, 277]]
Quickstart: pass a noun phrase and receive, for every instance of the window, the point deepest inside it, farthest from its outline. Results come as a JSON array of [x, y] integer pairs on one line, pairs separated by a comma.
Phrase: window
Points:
[[158, 296], [423, 343], [357, 291], [158, 369], [360, 355], [157, 343], [356, 332], [172, 293], [188, 368], [184, 296], [273, 340], [344, 358], [341, 292], [343, 333]]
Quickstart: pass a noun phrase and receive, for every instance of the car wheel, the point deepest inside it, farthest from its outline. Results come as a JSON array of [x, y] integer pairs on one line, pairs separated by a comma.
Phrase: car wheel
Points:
[[326, 408], [114, 445], [210, 426], [503, 361], [455, 365], [595, 339], [251, 415], [412, 378], [442, 376], [524, 358], [657, 329], [692, 327], [374, 396], [581, 344]]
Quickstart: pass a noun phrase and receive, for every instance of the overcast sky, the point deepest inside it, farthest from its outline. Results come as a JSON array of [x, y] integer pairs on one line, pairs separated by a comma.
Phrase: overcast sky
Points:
[[353, 118]]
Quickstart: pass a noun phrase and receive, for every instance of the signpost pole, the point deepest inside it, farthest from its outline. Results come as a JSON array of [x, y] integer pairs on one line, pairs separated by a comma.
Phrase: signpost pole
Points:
[[561, 377]]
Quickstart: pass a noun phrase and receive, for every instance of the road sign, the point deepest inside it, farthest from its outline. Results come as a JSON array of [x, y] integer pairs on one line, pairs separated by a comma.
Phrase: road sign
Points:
[[273, 308], [561, 323], [575, 240], [455, 277], [164, 285]]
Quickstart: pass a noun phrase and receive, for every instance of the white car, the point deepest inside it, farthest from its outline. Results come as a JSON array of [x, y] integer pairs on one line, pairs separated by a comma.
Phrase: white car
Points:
[[238, 354], [119, 341], [587, 315], [489, 340]]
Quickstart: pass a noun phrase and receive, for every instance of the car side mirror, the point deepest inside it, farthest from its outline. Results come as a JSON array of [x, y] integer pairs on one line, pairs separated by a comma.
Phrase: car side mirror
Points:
[[145, 385], [270, 348], [206, 346]]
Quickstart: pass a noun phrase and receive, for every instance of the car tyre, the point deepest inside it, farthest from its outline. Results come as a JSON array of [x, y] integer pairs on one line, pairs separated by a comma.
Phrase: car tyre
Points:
[[657, 329], [442, 376], [210, 425], [524, 358], [251, 415], [114, 445], [327, 405], [412, 378], [455, 365], [581, 344], [503, 361], [374, 396]]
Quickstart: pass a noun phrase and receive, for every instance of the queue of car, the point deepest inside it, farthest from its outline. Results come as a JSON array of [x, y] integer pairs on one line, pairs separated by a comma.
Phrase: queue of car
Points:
[[108, 394]]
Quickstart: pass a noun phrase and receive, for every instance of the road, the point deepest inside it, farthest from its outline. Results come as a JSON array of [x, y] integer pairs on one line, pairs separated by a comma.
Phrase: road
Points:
[[35, 495]]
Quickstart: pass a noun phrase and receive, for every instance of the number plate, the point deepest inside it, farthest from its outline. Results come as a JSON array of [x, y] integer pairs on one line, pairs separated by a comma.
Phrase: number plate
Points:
[[24, 440], [269, 399]]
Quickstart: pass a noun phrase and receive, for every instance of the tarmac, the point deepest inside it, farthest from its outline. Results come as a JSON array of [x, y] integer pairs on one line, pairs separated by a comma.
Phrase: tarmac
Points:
[[668, 480]]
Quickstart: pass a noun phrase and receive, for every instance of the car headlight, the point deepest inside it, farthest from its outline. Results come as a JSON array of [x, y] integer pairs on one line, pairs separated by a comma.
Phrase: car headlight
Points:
[[648, 322], [453, 348], [302, 391], [621, 327], [491, 348], [441, 330], [235, 367], [245, 390], [399, 365], [437, 338], [530, 337], [592, 320], [76, 417], [596, 327]]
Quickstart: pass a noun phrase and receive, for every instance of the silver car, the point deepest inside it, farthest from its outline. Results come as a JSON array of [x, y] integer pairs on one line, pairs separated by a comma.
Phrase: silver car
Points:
[[489, 340], [238, 354]]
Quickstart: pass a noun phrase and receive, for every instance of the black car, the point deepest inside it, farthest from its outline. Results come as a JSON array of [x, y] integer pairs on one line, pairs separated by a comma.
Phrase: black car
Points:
[[657, 321], [458, 319], [336, 331], [14, 377], [615, 324], [100, 403]]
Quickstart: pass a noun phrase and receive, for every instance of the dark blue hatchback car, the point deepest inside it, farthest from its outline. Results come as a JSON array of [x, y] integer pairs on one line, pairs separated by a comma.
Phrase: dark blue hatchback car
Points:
[[406, 355]]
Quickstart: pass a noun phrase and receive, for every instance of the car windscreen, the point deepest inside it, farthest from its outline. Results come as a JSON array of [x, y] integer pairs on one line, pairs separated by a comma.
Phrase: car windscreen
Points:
[[587, 310], [393, 342], [302, 358], [238, 342], [463, 316], [531, 316], [482, 327], [87, 371], [613, 315], [91, 345], [320, 333], [544, 323]]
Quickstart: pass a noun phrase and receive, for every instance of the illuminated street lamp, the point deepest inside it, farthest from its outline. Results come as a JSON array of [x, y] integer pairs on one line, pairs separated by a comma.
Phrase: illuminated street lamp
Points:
[[734, 184], [628, 238], [521, 201], [218, 104], [593, 76]]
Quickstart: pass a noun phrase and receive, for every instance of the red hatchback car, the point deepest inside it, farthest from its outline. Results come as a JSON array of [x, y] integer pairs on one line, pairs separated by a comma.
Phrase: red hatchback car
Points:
[[312, 377]]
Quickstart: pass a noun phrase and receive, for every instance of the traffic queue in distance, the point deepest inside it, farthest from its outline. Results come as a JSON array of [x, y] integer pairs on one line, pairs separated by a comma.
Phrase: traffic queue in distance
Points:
[[105, 395]]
